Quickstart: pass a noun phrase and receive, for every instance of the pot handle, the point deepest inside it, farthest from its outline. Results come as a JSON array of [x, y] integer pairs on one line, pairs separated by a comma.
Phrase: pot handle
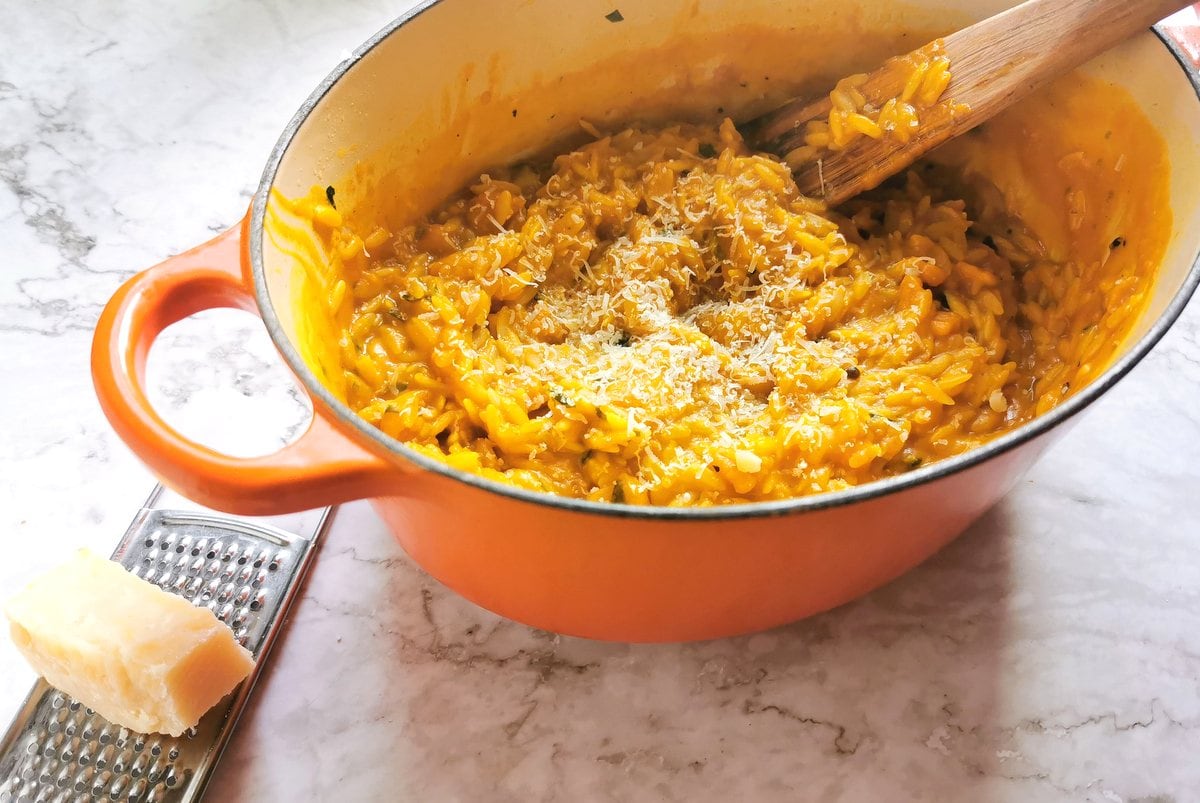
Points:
[[322, 467], [1184, 28]]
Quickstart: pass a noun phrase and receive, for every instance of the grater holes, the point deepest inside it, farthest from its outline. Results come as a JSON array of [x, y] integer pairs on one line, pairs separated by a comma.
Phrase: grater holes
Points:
[[68, 751], [260, 599], [137, 790], [100, 782], [83, 779]]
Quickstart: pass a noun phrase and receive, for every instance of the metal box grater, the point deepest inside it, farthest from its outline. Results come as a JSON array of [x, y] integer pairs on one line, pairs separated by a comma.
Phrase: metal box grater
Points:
[[244, 571]]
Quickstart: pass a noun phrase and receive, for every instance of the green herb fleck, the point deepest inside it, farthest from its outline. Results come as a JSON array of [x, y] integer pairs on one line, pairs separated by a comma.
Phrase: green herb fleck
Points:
[[618, 494], [624, 339], [562, 398], [329, 192], [707, 150], [614, 16], [586, 456]]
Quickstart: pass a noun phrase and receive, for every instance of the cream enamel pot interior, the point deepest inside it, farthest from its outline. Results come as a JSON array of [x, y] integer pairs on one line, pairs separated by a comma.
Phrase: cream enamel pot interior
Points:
[[453, 87]]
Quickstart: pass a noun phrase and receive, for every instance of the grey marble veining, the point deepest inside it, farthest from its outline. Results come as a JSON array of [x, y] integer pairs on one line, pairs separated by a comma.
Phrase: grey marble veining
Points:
[[1051, 654]]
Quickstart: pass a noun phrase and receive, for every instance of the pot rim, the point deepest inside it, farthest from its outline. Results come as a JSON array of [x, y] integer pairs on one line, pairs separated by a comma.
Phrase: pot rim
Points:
[[822, 501]]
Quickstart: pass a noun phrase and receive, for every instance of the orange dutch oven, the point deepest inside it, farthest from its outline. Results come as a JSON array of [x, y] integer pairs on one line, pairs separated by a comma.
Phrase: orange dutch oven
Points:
[[454, 86]]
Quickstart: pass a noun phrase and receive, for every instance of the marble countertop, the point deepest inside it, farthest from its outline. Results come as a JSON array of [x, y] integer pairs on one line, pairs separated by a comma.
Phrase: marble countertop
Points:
[[1050, 654]]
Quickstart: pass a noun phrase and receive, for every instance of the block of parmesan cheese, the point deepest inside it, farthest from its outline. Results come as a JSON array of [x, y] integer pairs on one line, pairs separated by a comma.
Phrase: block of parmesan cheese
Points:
[[137, 655]]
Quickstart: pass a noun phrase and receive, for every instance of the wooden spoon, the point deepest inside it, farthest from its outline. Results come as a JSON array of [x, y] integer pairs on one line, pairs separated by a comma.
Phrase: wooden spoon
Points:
[[993, 64]]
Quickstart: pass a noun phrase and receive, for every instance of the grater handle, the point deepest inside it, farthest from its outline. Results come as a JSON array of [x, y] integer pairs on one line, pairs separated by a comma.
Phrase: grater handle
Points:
[[322, 467]]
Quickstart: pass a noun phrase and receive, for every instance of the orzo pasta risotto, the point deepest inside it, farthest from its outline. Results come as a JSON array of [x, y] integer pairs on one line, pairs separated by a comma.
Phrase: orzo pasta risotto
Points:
[[658, 316]]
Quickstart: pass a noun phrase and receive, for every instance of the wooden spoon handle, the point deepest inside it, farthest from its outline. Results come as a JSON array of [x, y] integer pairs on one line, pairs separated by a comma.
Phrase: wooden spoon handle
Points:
[[1007, 56], [993, 63]]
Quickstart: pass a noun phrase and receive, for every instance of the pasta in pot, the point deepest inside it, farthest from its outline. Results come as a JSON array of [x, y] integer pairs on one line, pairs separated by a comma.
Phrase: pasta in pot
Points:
[[660, 317]]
